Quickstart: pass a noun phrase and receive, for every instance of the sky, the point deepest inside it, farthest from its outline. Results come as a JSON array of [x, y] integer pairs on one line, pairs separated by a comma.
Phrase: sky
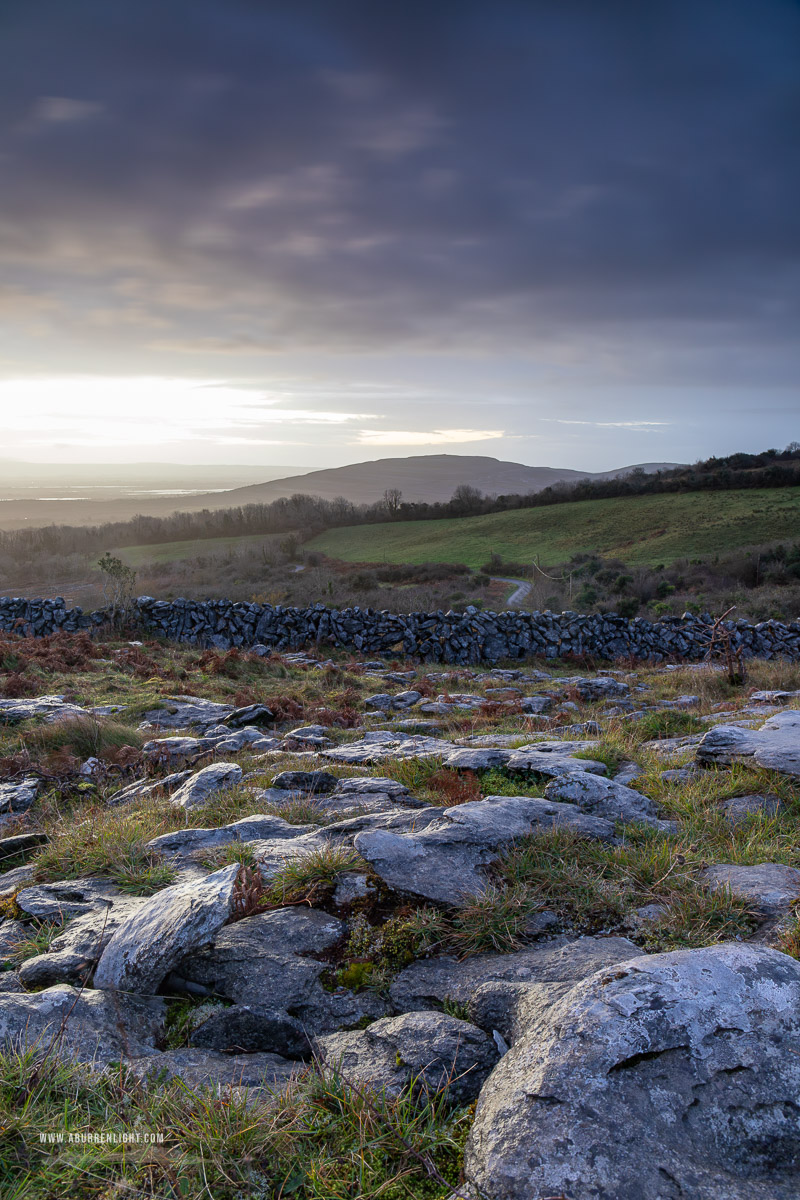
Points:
[[313, 232]]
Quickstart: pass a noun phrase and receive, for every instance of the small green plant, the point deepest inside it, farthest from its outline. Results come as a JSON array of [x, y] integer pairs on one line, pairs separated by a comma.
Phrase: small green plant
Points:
[[497, 782], [40, 935], [608, 755], [234, 852], [457, 1008], [184, 1016], [142, 878], [312, 875], [670, 722]]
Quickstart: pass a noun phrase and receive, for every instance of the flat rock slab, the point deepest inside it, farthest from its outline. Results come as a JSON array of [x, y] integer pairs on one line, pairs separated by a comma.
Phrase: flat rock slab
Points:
[[205, 783], [185, 843], [307, 782], [67, 898], [739, 809], [552, 762], [669, 1075], [21, 843], [178, 749], [141, 790], [604, 797], [146, 946], [42, 708], [775, 746], [382, 744], [183, 712], [446, 861], [429, 983], [88, 1026], [428, 1050], [772, 887], [210, 1069]]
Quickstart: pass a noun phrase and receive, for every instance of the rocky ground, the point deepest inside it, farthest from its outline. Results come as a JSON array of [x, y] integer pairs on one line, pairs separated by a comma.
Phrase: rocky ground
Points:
[[274, 925]]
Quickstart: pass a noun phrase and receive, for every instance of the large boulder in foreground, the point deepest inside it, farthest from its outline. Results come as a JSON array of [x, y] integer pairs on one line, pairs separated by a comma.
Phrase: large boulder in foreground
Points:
[[668, 1076], [145, 948]]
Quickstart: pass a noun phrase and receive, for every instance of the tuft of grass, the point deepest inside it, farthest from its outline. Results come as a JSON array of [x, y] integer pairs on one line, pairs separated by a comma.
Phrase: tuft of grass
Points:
[[84, 737], [299, 812], [313, 875], [790, 939], [491, 922], [41, 934], [497, 782], [669, 723], [595, 886], [609, 755], [92, 841], [234, 852]]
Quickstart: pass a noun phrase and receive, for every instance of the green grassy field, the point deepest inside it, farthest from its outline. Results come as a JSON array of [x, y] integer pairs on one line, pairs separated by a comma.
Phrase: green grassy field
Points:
[[647, 530]]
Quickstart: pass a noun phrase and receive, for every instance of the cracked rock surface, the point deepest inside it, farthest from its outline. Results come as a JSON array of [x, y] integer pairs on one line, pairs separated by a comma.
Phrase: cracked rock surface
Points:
[[670, 1075]]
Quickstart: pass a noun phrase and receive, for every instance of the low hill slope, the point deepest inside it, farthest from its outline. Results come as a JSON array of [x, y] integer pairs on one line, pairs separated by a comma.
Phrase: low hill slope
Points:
[[645, 529], [423, 477]]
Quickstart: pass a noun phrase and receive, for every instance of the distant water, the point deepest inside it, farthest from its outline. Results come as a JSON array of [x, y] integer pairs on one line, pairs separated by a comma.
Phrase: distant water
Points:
[[102, 491]]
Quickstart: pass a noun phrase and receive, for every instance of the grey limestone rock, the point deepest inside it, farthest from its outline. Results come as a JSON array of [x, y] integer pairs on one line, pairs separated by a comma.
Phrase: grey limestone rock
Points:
[[20, 843], [476, 760], [184, 843], [211, 1069], [775, 746], [42, 708], [430, 1049], [67, 898], [446, 861], [772, 887], [739, 809], [73, 953], [248, 716], [85, 1025], [265, 965], [18, 797], [666, 1076], [141, 790], [604, 797], [11, 934], [184, 712], [178, 749], [203, 784], [308, 782], [146, 946], [428, 983]]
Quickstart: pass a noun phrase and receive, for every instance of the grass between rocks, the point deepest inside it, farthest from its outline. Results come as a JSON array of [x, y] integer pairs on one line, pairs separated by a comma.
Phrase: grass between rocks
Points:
[[321, 1138]]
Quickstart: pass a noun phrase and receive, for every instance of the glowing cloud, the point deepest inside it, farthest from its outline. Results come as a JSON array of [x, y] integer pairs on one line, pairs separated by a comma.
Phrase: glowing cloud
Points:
[[435, 437]]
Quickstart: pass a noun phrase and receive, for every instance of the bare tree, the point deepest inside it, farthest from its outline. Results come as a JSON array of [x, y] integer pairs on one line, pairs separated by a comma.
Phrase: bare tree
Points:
[[391, 500]]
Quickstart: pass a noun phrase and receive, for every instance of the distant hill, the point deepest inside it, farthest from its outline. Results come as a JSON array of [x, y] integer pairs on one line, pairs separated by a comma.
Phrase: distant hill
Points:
[[424, 477]]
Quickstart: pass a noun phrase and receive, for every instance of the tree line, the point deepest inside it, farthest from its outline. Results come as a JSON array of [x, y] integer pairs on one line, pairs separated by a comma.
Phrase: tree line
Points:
[[305, 515]]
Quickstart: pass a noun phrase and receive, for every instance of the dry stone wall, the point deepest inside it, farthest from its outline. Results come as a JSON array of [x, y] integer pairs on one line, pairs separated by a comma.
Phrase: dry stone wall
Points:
[[468, 637]]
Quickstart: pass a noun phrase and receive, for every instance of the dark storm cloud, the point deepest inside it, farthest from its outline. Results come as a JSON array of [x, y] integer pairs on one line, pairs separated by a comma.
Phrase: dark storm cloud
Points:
[[226, 176]]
